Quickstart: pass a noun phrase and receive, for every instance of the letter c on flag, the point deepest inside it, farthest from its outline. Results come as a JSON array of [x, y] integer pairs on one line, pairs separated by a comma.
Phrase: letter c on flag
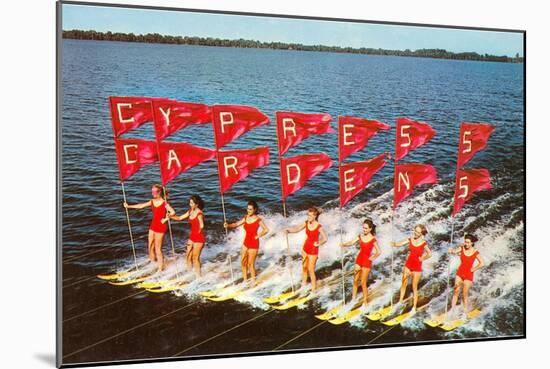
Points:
[[119, 110], [126, 153]]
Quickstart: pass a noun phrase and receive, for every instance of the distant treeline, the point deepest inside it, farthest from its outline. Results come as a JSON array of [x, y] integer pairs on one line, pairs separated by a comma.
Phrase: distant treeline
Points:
[[208, 41]]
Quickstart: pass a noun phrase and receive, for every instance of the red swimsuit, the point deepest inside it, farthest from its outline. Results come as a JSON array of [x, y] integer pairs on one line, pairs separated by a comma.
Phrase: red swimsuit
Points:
[[312, 237], [466, 264], [415, 253], [197, 234], [159, 213], [365, 252], [251, 231]]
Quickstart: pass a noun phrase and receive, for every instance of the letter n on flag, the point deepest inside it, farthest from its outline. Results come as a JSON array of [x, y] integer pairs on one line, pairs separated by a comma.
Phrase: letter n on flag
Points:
[[132, 154], [473, 138], [170, 116], [293, 128], [176, 158], [408, 176], [297, 170], [232, 121], [354, 177], [410, 135], [354, 134], [128, 113], [236, 165], [469, 181]]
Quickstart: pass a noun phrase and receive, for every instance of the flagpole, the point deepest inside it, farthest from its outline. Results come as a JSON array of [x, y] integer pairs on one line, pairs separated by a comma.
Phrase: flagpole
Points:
[[222, 198], [129, 226], [340, 205], [449, 268], [230, 262], [392, 218], [289, 256], [170, 232]]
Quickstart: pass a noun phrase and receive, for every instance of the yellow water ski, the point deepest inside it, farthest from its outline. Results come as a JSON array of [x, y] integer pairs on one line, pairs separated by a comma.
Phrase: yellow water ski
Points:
[[330, 314], [229, 296], [346, 317], [129, 281], [292, 303], [435, 320], [110, 277], [281, 297], [167, 288], [398, 319], [157, 284], [458, 322], [380, 313]]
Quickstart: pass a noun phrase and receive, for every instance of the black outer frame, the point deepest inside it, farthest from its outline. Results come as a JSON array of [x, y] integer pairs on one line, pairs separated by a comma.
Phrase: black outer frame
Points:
[[59, 192]]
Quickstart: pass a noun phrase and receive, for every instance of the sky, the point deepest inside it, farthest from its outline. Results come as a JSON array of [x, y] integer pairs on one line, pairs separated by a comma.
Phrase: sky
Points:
[[307, 32]]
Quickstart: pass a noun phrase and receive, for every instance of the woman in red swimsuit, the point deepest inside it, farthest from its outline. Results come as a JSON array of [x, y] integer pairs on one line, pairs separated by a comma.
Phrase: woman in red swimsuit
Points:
[[196, 240], [363, 263], [251, 223], [418, 252], [161, 210], [310, 251], [465, 273]]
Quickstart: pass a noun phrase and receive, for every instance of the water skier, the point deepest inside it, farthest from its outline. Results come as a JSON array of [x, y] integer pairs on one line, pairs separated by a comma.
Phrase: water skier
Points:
[[158, 227], [418, 252], [251, 243], [197, 238], [363, 263], [465, 274], [310, 250]]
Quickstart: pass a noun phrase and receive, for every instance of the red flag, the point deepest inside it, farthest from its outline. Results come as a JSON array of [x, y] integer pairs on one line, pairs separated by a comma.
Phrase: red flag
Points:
[[473, 138], [176, 158], [132, 154], [128, 113], [410, 135], [293, 128], [354, 134], [297, 170], [232, 121], [467, 182], [408, 176], [171, 116], [354, 177], [236, 165]]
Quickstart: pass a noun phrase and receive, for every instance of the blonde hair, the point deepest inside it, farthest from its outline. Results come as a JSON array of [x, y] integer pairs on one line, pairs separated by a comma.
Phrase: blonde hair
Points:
[[423, 229]]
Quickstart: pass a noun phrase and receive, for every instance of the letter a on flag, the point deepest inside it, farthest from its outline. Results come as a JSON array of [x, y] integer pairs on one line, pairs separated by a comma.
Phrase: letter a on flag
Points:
[[128, 113], [236, 165], [467, 182], [297, 170], [233, 121], [408, 176], [170, 116], [176, 158], [473, 138], [354, 177], [133, 154], [410, 135], [293, 128], [354, 134]]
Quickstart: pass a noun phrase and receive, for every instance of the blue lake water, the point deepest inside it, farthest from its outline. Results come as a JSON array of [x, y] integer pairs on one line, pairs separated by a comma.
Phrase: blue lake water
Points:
[[440, 92]]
